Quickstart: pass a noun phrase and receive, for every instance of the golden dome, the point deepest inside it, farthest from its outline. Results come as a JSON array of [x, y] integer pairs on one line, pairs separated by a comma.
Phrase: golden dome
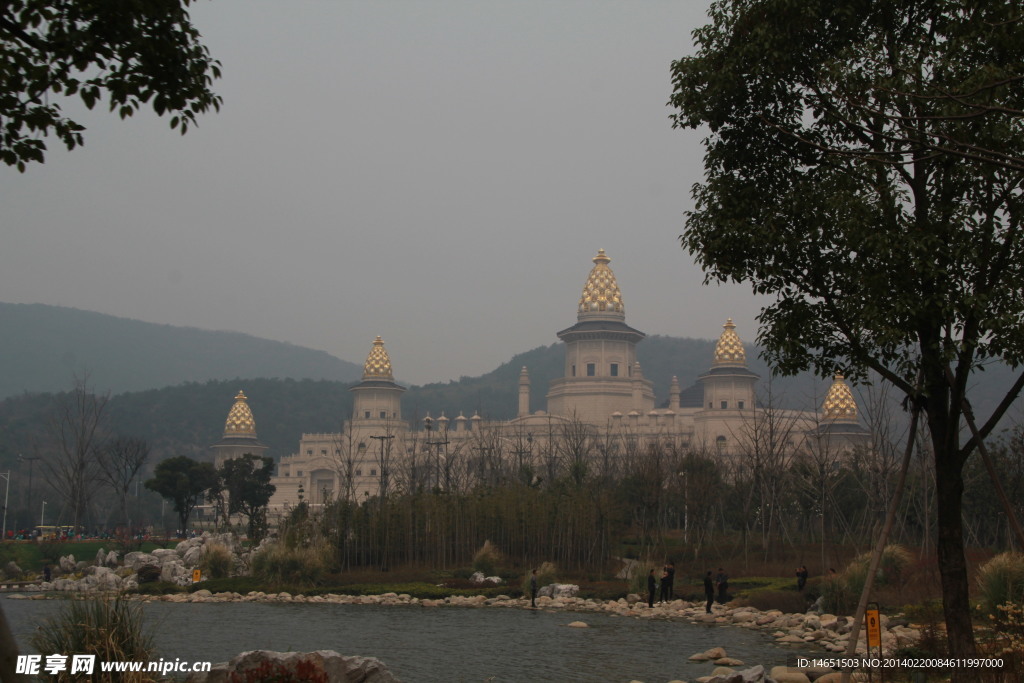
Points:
[[378, 363], [839, 402], [601, 295], [240, 421], [729, 349]]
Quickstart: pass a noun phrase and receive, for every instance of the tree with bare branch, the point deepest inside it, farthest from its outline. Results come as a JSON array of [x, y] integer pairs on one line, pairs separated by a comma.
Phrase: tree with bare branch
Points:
[[120, 461]]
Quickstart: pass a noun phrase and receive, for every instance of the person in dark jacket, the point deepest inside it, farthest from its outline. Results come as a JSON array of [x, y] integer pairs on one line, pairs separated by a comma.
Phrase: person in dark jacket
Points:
[[664, 586], [652, 586], [709, 591], [723, 585], [533, 589], [801, 577], [670, 567]]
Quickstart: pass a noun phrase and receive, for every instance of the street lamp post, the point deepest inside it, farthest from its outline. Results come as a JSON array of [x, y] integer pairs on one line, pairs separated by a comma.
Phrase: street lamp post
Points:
[[7, 492], [42, 516], [28, 502]]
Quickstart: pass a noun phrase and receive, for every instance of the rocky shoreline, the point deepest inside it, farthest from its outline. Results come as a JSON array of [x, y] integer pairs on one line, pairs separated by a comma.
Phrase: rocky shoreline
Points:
[[112, 575]]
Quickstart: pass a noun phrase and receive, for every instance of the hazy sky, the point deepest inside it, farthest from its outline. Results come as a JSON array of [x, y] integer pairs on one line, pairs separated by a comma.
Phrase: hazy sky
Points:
[[438, 173]]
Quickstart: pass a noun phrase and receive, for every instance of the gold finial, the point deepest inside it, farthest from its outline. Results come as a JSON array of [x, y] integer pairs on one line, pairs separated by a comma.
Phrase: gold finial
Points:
[[839, 403], [729, 349], [601, 295], [378, 363], [240, 421]]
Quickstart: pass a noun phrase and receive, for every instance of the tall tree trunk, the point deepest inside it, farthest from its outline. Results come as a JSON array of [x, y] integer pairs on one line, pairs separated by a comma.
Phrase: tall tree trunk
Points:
[[949, 485]]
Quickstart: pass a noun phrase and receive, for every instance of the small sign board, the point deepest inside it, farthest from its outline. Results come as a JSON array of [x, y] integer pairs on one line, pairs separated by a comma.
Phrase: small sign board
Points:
[[874, 627], [197, 574]]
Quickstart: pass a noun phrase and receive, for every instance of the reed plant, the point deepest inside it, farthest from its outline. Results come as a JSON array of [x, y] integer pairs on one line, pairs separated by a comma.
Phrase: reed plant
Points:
[[1001, 582], [216, 561], [111, 629], [304, 565]]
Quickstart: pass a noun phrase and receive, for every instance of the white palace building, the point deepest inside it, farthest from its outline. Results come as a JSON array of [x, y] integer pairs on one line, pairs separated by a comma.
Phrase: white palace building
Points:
[[603, 403]]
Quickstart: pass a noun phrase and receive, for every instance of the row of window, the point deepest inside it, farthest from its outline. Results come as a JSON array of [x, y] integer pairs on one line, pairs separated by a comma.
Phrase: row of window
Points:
[[613, 370], [359, 472], [383, 415], [725, 405]]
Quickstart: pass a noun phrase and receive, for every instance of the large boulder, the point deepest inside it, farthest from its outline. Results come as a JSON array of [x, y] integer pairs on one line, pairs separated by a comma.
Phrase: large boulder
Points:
[[751, 675], [322, 665], [12, 570], [173, 571], [137, 559], [559, 590], [67, 564], [192, 556]]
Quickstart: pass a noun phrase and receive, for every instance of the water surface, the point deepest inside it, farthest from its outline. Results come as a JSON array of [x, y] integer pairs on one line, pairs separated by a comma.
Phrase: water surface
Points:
[[441, 643]]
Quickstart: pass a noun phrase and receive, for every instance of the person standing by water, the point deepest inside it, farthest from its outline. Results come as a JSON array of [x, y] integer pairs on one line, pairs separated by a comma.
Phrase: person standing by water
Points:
[[801, 577], [652, 585], [670, 569], [664, 586], [709, 591], [533, 589], [723, 585]]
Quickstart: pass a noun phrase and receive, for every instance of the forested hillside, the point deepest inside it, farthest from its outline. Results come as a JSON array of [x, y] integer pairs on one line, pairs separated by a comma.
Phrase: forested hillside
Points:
[[43, 347], [185, 419]]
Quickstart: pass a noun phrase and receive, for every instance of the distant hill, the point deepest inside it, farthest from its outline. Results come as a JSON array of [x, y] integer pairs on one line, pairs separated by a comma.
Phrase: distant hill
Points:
[[42, 347], [207, 369]]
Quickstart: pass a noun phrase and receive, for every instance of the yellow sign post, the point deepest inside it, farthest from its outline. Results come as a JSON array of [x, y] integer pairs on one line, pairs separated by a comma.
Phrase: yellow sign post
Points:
[[197, 574], [874, 628]]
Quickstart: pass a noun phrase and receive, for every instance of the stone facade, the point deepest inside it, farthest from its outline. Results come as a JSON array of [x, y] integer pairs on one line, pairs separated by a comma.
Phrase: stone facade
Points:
[[603, 397]]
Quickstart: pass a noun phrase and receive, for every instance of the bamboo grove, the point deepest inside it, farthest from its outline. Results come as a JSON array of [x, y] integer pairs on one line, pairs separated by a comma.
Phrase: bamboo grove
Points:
[[576, 504]]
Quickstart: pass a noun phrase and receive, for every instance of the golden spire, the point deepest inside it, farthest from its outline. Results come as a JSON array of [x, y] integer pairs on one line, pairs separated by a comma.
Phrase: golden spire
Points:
[[601, 295], [240, 421], [729, 349], [378, 363], [839, 402]]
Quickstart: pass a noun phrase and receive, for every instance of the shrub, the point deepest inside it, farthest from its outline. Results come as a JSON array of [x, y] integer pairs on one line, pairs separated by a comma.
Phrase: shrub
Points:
[[1001, 582], [302, 565], [159, 588], [110, 629], [836, 597], [638, 579], [841, 593], [487, 559], [216, 561], [891, 568], [546, 574]]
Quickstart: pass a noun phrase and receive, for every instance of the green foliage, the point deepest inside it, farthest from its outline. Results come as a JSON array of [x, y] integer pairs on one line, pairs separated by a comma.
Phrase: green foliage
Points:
[[837, 598], [863, 169], [235, 584], [130, 55], [183, 481], [304, 565], [159, 588], [246, 481], [841, 592], [1001, 582], [891, 569], [547, 573], [487, 559], [113, 630], [216, 561]]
